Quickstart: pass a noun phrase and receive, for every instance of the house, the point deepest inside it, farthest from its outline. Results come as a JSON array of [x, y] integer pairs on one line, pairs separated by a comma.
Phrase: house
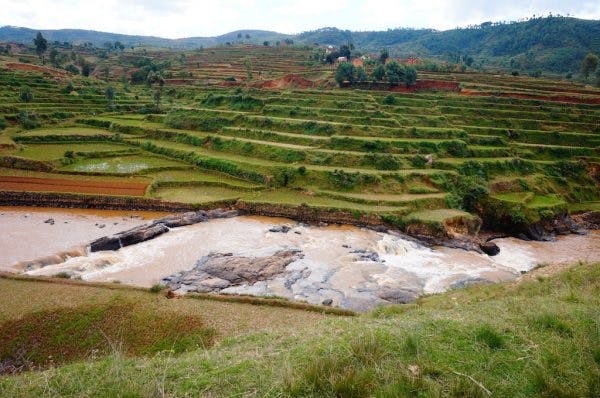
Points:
[[342, 59]]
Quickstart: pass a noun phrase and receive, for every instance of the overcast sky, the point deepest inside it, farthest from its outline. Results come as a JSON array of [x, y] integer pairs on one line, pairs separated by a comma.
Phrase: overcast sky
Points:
[[186, 18]]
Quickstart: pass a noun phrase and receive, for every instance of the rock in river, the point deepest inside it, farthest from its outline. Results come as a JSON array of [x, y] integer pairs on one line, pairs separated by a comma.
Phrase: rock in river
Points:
[[490, 248], [218, 271], [156, 228]]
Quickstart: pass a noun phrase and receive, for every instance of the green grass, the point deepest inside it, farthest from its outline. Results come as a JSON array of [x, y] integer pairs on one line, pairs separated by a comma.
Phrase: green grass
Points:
[[523, 339], [197, 175], [50, 152], [66, 131], [439, 215], [586, 206], [197, 194]]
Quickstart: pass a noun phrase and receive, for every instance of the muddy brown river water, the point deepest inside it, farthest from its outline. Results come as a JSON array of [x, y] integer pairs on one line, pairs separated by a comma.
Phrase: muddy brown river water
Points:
[[350, 267]]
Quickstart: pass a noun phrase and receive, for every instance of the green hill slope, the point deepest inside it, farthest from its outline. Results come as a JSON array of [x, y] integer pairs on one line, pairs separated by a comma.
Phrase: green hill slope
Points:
[[555, 44]]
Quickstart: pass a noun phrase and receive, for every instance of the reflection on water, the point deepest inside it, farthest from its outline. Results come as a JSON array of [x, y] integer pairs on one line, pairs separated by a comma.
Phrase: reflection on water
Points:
[[355, 268]]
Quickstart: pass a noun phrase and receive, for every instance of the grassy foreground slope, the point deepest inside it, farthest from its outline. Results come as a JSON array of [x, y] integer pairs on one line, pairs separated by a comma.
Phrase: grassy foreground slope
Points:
[[538, 337]]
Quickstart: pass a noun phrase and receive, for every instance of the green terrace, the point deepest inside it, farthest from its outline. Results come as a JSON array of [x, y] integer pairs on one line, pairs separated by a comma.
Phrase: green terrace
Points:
[[425, 156]]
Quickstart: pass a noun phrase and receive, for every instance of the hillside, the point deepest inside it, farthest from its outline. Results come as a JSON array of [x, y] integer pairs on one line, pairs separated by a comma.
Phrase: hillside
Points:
[[516, 151], [556, 44]]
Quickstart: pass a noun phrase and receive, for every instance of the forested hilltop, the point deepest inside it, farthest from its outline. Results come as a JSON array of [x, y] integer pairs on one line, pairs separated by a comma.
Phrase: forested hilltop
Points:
[[555, 44]]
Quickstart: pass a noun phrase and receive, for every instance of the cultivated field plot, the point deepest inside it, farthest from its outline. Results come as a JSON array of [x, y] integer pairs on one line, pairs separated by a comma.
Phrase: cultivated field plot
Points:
[[37, 184], [277, 132]]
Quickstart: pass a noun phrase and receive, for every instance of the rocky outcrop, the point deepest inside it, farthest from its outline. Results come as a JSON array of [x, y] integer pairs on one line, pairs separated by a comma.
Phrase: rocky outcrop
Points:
[[218, 271], [489, 248], [588, 220], [546, 230], [155, 228]]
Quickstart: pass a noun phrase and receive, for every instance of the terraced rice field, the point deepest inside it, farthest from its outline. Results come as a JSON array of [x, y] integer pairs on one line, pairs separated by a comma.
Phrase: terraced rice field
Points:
[[275, 139]]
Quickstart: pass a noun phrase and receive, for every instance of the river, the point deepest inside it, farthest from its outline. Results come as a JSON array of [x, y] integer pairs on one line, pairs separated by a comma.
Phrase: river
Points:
[[350, 267]]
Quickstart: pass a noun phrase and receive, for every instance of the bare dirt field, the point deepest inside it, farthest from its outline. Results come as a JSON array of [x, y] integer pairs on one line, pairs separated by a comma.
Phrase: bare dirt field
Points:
[[8, 183]]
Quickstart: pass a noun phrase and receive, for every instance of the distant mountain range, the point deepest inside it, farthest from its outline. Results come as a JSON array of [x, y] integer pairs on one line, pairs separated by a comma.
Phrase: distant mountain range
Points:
[[555, 44]]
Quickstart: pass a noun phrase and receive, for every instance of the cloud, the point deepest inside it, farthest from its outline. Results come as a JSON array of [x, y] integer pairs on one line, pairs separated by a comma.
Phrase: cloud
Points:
[[184, 18]]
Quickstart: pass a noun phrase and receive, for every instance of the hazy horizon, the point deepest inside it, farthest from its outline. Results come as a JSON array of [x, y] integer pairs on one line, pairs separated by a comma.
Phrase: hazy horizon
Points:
[[185, 18]]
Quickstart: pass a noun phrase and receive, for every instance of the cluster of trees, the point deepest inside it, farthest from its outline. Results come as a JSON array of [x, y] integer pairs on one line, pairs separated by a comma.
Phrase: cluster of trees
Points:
[[57, 59], [345, 50], [392, 72], [589, 65]]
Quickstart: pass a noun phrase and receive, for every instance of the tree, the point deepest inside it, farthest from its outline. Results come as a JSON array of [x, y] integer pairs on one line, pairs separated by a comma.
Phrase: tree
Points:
[[383, 56], [397, 73], [26, 95], [410, 75], [69, 88], [41, 45], [248, 65], [378, 73], [589, 65], [361, 74], [110, 96], [155, 78], [394, 72], [54, 57], [266, 43], [86, 69], [345, 72], [157, 96], [345, 51], [332, 57]]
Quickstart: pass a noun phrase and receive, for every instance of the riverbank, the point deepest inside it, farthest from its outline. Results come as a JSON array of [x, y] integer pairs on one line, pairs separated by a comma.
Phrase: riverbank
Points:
[[342, 266], [472, 340]]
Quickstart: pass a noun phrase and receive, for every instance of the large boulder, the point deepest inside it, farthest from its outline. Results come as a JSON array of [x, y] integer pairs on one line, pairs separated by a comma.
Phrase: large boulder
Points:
[[156, 228], [181, 220], [489, 248], [218, 271], [129, 237]]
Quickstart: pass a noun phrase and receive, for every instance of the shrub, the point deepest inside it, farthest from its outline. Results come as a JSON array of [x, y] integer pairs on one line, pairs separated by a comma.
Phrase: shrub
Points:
[[389, 99], [552, 323], [72, 69], [28, 120], [344, 180], [284, 176], [156, 288], [419, 161], [3, 123], [386, 162], [69, 88], [488, 336]]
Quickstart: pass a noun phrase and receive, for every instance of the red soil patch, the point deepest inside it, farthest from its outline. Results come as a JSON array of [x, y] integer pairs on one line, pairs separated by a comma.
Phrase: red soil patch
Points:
[[549, 98], [36, 68], [288, 81], [37, 184], [422, 85], [178, 82]]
